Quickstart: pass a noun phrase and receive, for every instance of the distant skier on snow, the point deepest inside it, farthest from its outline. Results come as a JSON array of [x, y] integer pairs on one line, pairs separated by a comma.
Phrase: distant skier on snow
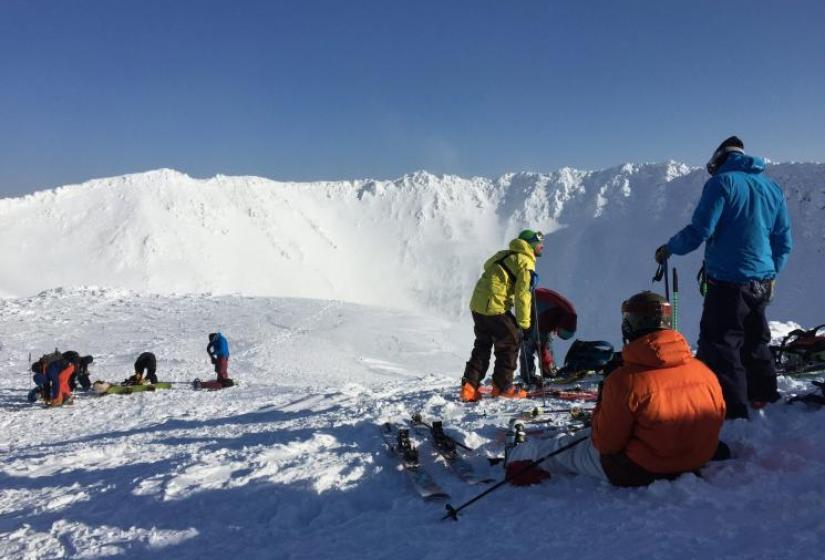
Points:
[[51, 376], [659, 415], [218, 350], [506, 282], [555, 315], [81, 374], [145, 368], [744, 221]]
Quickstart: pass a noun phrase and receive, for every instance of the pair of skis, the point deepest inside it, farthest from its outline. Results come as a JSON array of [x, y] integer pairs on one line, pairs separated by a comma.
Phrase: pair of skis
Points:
[[398, 442]]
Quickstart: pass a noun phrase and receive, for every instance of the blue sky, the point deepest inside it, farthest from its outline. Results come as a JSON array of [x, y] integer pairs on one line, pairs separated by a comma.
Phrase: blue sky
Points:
[[309, 90]]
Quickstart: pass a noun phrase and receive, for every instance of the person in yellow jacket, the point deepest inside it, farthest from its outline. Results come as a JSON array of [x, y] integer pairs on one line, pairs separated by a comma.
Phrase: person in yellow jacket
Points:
[[505, 284]]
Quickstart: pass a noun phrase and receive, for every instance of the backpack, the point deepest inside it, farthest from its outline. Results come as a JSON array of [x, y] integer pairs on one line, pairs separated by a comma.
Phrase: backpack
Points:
[[588, 355], [46, 360], [800, 348]]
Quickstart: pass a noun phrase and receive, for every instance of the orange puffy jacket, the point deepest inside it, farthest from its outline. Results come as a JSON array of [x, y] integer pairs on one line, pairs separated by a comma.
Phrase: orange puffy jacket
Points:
[[663, 409]]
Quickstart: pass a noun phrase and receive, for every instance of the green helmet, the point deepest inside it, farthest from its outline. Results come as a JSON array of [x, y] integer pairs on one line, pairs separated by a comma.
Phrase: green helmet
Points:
[[534, 238], [644, 313]]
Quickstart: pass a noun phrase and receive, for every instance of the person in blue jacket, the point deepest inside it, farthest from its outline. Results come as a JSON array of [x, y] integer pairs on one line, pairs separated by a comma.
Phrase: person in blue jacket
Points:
[[218, 350], [743, 220]]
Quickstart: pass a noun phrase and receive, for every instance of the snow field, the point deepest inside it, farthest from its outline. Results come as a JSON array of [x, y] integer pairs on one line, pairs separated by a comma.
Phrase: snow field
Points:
[[290, 464]]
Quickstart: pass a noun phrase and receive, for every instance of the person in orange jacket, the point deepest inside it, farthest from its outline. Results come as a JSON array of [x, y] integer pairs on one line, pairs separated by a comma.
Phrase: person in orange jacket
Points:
[[52, 375], [659, 414]]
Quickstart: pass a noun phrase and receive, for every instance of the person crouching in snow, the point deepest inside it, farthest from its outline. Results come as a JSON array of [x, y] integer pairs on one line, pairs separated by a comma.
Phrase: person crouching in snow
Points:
[[218, 350], [659, 415], [506, 283], [145, 367], [81, 373], [52, 374], [555, 315]]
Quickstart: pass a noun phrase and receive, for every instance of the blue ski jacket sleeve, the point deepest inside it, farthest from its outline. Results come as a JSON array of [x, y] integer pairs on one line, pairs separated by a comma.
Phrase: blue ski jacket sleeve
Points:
[[218, 347], [743, 220]]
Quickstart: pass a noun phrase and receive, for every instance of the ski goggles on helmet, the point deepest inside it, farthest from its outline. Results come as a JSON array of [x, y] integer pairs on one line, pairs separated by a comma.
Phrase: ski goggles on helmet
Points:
[[537, 239], [564, 334], [719, 157]]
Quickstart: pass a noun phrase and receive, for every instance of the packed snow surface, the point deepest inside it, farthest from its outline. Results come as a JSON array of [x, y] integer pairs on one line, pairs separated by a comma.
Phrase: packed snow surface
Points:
[[344, 306], [290, 464]]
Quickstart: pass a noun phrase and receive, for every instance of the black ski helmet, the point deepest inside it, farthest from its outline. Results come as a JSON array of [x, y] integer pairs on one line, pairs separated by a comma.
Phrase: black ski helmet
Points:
[[644, 313], [720, 156]]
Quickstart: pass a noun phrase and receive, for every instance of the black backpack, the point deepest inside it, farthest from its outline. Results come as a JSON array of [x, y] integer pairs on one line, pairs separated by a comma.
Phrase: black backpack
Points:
[[41, 365], [590, 355]]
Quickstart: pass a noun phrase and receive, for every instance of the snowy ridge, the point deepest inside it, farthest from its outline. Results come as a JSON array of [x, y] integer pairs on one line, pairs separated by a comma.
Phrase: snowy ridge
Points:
[[415, 242]]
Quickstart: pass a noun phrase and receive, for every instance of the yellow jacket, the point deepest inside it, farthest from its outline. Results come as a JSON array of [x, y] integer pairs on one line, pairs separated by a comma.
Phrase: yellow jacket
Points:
[[497, 291]]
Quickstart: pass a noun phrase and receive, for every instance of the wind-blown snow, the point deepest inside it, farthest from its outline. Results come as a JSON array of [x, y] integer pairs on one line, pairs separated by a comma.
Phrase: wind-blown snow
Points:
[[289, 464]]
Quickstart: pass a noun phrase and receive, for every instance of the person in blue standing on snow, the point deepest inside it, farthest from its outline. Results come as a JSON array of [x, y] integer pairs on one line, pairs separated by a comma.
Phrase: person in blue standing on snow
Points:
[[218, 350], [743, 220]]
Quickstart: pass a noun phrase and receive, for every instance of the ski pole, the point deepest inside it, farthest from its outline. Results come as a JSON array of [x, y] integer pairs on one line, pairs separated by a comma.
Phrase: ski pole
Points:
[[675, 300], [452, 512], [540, 347], [667, 281]]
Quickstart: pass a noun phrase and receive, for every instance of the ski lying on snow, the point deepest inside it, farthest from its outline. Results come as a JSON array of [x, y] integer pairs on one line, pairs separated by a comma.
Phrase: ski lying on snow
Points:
[[105, 388], [812, 371], [586, 395], [572, 395], [398, 443], [213, 385], [446, 446]]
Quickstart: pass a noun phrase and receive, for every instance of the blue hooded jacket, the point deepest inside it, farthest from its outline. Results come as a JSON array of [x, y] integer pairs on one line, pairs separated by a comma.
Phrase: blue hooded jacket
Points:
[[744, 220], [218, 347]]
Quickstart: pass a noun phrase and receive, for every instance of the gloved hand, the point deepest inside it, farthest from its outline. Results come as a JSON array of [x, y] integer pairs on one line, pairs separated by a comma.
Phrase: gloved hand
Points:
[[534, 280], [662, 254]]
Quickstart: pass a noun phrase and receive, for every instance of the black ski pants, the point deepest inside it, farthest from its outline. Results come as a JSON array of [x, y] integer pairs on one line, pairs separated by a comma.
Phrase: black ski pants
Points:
[[733, 342], [498, 332], [147, 364]]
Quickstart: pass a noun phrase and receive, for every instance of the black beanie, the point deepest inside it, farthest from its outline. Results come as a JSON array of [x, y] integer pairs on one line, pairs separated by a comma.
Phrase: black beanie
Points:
[[732, 142]]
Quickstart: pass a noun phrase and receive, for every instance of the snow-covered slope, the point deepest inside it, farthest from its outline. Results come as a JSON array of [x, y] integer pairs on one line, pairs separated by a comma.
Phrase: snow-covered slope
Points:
[[416, 242], [289, 464]]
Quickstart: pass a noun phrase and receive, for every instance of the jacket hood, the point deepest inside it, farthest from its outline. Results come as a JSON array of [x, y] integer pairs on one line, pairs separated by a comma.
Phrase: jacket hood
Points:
[[660, 349], [521, 246], [744, 163]]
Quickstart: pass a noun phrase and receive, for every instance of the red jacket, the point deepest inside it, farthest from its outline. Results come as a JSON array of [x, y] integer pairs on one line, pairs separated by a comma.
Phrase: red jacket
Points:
[[663, 410], [555, 312]]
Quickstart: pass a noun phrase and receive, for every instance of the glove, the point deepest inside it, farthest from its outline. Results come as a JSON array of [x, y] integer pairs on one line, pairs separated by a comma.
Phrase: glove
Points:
[[662, 254], [534, 280]]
